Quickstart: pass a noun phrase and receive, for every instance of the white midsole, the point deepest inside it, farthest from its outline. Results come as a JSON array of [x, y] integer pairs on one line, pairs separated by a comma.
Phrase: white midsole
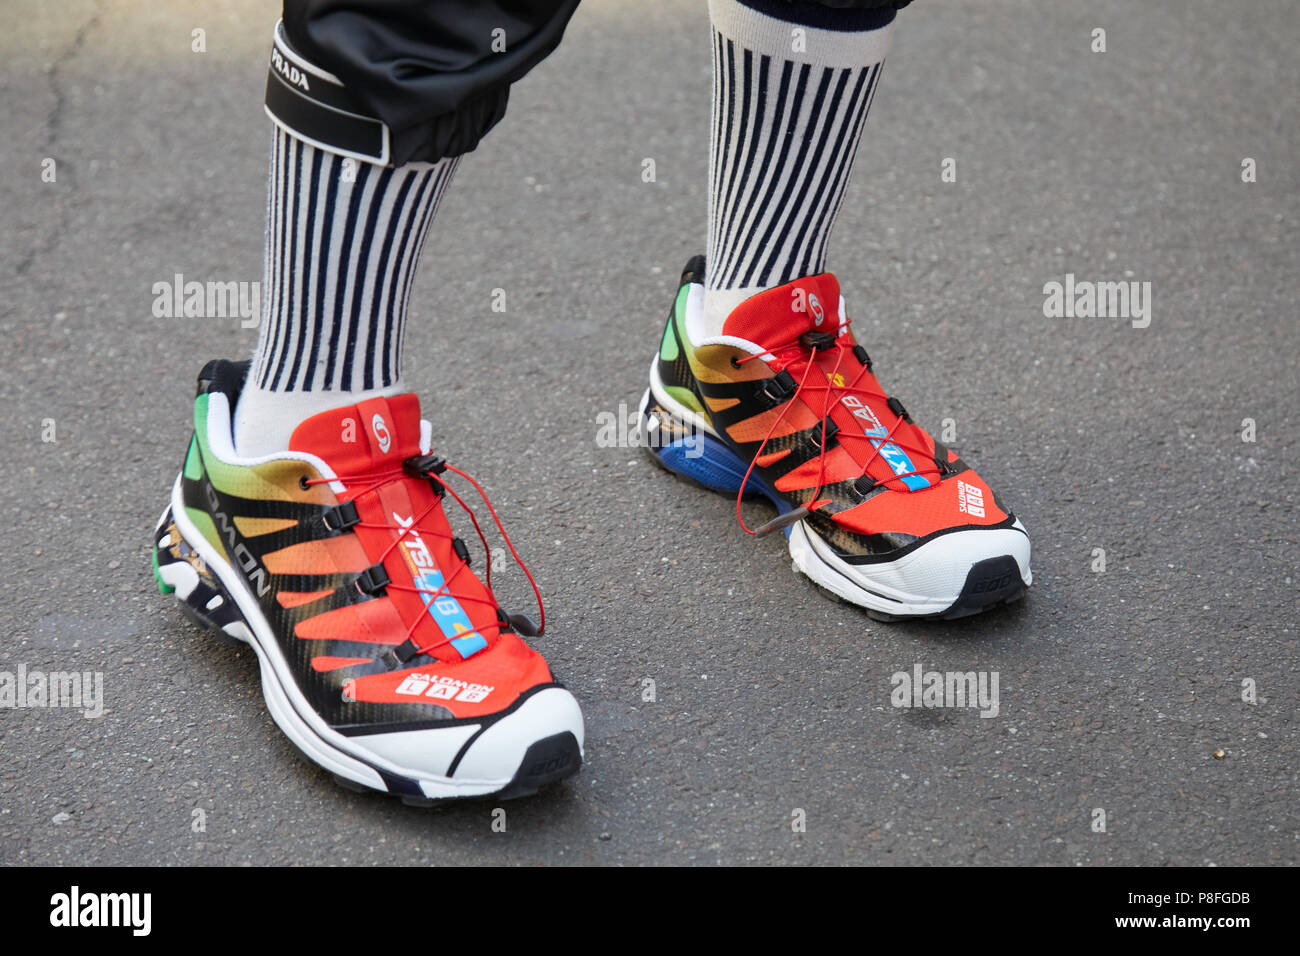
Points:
[[890, 586], [290, 709]]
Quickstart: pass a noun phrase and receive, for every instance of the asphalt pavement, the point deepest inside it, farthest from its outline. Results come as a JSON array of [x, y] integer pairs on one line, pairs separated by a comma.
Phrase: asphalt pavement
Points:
[[1147, 685]]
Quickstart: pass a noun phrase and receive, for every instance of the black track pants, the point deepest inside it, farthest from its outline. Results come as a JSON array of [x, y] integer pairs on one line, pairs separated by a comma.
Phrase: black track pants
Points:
[[438, 72]]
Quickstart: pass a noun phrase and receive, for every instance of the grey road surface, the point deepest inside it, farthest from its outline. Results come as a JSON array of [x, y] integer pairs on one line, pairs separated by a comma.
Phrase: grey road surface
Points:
[[1147, 712]]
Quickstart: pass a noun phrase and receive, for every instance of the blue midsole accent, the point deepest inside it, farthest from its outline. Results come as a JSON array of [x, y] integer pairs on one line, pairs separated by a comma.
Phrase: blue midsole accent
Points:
[[707, 460]]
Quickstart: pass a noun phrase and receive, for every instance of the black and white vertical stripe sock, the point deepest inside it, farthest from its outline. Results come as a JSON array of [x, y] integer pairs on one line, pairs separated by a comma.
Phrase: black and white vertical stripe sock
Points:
[[342, 243], [792, 84]]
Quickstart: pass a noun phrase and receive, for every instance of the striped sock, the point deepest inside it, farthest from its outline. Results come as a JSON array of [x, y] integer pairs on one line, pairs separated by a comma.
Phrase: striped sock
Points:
[[342, 242], [792, 84]]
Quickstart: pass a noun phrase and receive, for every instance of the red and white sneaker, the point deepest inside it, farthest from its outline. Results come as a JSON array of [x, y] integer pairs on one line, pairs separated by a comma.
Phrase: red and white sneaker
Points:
[[784, 404], [384, 658]]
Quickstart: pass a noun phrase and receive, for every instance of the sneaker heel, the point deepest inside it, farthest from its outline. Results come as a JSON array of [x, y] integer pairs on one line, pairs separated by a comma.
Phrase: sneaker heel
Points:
[[179, 571], [688, 452]]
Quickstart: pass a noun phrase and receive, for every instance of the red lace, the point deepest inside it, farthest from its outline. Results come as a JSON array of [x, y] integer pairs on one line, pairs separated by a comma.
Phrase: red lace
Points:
[[834, 393], [376, 480]]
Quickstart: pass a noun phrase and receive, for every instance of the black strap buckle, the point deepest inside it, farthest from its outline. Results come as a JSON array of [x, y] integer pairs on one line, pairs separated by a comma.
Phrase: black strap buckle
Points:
[[861, 355], [897, 408], [341, 517], [400, 656], [777, 389], [373, 580], [824, 433], [941, 458]]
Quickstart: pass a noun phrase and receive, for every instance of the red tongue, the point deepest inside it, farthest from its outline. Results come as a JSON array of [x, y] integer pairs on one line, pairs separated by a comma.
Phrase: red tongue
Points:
[[777, 316], [373, 435]]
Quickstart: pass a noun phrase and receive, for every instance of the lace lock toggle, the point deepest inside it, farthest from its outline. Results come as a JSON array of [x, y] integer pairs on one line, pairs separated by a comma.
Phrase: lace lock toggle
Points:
[[817, 341], [426, 466]]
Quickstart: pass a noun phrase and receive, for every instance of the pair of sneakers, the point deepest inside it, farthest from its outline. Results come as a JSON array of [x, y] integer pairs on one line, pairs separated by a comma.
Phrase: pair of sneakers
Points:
[[387, 659]]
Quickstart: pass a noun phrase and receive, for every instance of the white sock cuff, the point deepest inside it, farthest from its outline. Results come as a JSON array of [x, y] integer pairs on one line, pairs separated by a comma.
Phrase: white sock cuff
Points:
[[265, 421], [815, 46]]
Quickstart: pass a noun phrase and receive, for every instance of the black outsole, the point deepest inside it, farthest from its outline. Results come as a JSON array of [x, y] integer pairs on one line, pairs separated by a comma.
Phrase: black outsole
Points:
[[989, 582], [547, 761]]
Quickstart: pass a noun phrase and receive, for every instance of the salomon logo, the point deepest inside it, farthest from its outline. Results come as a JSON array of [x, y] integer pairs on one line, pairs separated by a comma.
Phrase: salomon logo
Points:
[[970, 500], [443, 688], [380, 429], [815, 307], [255, 573]]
